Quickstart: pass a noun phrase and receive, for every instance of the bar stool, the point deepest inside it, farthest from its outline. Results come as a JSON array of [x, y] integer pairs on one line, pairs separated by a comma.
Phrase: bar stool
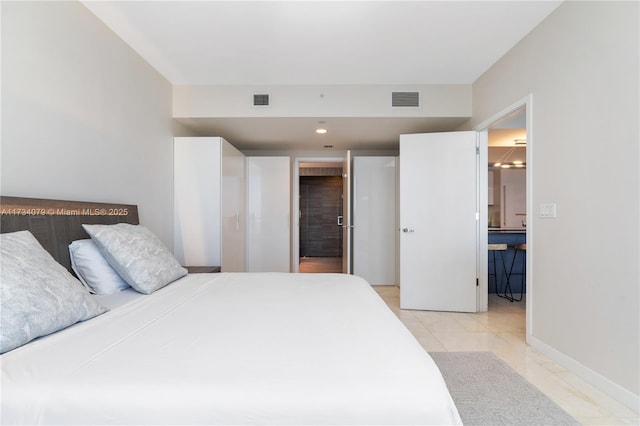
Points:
[[522, 248], [493, 248]]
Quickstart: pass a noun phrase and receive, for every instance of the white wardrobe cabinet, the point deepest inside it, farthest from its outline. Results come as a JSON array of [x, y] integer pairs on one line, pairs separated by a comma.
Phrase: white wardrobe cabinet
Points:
[[268, 214], [375, 230], [209, 203]]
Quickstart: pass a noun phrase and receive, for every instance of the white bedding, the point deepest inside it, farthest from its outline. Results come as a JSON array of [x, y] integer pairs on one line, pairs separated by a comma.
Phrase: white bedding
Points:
[[115, 300], [232, 349]]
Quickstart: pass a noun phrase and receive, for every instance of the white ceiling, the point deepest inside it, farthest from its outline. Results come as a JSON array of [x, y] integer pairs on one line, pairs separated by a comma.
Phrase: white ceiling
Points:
[[320, 43]]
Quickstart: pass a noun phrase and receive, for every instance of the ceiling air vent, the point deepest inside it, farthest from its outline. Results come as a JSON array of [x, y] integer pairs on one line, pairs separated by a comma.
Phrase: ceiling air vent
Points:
[[261, 99], [405, 99]]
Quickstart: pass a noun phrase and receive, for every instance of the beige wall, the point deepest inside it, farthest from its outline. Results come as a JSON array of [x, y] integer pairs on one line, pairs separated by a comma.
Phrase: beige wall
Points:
[[83, 116], [581, 67], [447, 100]]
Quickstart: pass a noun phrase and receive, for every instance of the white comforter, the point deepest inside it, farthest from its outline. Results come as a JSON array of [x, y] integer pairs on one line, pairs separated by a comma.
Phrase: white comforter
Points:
[[232, 349]]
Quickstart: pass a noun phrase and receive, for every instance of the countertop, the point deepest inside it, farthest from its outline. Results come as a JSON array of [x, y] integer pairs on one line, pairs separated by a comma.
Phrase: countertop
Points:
[[508, 230]]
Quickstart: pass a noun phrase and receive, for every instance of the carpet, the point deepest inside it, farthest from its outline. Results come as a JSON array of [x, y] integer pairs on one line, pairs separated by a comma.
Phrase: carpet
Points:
[[487, 391]]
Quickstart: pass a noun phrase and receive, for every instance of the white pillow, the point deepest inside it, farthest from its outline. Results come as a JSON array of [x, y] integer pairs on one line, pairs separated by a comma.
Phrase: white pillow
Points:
[[137, 255], [93, 270], [38, 295]]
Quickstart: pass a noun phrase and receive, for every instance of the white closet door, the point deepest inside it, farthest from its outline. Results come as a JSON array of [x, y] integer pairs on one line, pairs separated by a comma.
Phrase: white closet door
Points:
[[197, 201], [347, 219], [374, 219], [233, 208], [268, 218]]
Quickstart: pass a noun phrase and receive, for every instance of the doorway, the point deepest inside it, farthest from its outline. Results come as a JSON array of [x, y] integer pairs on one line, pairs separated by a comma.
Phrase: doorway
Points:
[[507, 210], [507, 216], [320, 196], [509, 222]]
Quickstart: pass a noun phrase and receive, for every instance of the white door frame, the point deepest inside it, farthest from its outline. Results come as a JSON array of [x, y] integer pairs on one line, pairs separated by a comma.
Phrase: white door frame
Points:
[[295, 205], [527, 103]]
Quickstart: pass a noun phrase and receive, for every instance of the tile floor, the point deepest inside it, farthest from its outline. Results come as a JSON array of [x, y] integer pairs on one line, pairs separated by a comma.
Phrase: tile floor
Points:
[[502, 331], [320, 264]]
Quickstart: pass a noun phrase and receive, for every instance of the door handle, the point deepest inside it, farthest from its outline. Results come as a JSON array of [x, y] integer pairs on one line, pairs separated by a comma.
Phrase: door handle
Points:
[[340, 220], [407, 230]]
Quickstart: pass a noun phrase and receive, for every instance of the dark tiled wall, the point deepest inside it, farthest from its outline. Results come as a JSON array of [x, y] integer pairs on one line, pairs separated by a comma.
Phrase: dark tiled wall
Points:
[[320, 206]]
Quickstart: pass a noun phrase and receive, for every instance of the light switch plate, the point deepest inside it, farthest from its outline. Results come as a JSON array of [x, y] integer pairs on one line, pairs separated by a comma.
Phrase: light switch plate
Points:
[[548, 210]]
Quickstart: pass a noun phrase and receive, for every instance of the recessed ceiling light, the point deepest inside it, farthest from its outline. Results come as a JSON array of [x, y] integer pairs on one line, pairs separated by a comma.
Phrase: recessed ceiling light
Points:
[[321, 131]]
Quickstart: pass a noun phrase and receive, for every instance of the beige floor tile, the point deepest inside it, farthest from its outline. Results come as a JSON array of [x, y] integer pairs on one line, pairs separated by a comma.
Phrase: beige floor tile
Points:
[[471, 341], [605, 421], [415, 327], [501, 330], [444, 325], [430, 343], [614, 407], [503, 321], [515, 338]]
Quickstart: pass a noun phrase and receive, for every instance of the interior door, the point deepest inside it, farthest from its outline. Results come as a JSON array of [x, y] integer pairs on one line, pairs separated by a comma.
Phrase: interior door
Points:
[[438, 221], [320, 213], [347, 226]]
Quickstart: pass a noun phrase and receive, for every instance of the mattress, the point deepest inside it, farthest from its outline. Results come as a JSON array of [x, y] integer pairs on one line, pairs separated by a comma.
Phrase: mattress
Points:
[[232, 348]]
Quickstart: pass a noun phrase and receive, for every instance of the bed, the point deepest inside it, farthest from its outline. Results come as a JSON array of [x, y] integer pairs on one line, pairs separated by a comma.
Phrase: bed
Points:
[[222, 348]]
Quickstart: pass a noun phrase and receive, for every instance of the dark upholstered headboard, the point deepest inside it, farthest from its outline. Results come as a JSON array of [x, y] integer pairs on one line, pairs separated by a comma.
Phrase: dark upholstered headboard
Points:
[[56, 223]]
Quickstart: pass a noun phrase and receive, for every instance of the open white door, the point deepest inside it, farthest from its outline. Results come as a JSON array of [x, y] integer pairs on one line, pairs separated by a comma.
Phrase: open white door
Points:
[[347, 226], [438, 221]]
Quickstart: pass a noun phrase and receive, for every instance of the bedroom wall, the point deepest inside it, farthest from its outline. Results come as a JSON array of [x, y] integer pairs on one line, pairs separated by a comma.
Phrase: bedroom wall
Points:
[[83, 116], [446, 100], [581, 66]]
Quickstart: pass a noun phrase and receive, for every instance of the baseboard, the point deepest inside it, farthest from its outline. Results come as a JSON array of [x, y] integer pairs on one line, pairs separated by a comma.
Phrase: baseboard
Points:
[[612, 389]]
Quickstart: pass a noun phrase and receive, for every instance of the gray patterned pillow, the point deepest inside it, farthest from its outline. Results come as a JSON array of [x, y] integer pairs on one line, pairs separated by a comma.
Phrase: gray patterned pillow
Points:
[[137, 255], [39, 296]]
